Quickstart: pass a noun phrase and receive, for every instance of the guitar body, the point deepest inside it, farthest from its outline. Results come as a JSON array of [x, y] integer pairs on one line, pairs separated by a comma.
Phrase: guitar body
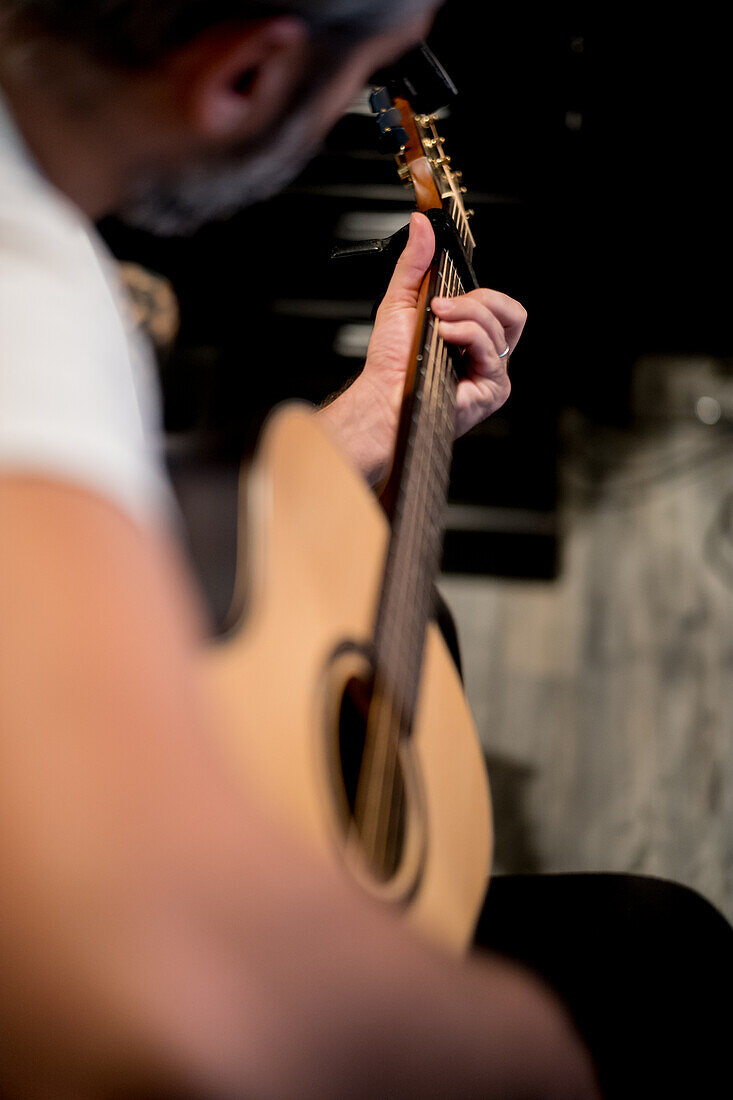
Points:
[[313, 540]]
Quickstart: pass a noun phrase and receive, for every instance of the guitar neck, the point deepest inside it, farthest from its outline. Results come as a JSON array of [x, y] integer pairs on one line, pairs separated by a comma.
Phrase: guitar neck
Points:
[[417, 490]]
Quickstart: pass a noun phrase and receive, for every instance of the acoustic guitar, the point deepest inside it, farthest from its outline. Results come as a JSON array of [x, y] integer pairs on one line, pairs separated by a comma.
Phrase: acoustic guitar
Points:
[[337, 693]]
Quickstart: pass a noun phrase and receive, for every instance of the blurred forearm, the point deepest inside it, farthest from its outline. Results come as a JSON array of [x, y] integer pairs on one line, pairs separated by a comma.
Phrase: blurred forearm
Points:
[[159, 935]]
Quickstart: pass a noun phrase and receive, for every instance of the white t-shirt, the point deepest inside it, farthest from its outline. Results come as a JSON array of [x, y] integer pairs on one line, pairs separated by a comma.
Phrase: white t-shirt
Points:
[[79, 393]]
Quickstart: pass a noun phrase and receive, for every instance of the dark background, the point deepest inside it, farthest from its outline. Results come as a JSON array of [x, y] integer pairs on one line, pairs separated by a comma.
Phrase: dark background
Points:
[[595, 152]]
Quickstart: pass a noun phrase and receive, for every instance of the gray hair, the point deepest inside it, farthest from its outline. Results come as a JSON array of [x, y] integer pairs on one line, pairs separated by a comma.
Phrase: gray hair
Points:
[[138, 33]]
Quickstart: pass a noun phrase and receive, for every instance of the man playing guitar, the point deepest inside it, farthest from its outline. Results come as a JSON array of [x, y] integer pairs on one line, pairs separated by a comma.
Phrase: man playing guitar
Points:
[[162, 933]]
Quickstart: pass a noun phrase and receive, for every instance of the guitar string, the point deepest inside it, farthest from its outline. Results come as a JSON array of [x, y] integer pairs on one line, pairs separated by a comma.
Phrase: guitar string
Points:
[[381, 715], [411, 641], [458, 207], [436, 428], [424, 559], [422, 512], [435, 390], [382, 712], [428, 467], [458, 213]]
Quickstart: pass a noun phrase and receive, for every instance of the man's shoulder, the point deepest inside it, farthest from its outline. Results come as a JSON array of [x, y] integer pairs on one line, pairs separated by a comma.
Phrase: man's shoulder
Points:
[[78, 393], [39, 226], [55, 272]]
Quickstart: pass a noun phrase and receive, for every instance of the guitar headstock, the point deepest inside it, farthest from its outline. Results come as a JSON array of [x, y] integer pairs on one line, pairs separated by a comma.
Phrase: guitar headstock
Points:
[[412, 136]]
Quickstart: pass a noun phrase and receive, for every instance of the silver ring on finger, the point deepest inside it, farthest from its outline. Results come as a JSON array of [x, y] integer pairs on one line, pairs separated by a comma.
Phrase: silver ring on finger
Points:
[[505, 352]]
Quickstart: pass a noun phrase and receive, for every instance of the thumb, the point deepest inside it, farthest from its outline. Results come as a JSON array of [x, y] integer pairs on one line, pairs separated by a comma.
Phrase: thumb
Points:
[[413, 263]]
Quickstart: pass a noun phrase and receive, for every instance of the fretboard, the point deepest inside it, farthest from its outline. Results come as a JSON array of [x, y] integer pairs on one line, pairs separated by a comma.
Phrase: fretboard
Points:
[[419, 492]]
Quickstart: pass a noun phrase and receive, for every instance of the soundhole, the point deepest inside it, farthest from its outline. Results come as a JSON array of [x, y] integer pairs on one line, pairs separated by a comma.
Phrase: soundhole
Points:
[[382, 854]]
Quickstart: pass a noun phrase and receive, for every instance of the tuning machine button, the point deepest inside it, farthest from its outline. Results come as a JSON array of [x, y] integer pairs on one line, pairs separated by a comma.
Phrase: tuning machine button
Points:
[[380, 100], [393, 140], [389, 120], [393, 136]]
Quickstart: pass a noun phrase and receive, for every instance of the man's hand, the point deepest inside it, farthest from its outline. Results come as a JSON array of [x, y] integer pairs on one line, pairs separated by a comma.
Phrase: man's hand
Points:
[[484, 322]]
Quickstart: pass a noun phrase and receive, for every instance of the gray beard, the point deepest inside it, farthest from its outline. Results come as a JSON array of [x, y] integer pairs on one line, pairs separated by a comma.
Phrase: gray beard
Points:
[[204, 192]]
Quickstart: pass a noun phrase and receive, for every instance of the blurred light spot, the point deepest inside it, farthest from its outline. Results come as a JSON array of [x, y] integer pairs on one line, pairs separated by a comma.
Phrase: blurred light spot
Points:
[[708, 410], [352, 341], [359, 225]]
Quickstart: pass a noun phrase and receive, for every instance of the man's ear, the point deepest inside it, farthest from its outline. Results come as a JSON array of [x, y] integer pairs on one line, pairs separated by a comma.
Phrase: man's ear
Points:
[[233, 82]]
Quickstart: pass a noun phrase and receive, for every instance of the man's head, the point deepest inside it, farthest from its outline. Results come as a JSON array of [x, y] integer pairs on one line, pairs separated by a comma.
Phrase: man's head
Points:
[[194, 107]]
